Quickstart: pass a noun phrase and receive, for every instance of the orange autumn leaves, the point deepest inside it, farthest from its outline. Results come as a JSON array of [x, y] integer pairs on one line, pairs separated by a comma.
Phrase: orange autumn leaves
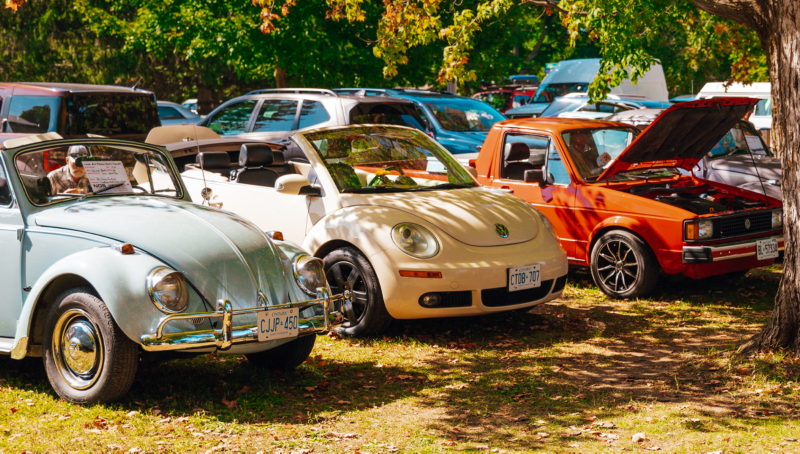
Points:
[[14, 4]]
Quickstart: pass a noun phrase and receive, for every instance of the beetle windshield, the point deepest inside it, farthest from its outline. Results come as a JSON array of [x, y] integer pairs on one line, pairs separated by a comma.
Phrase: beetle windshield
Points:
[[593, 150], [385, 159], [60, 172]]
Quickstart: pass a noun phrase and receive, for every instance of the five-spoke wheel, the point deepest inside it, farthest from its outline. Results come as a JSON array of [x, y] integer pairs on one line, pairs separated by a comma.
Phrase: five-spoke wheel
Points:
[[349, 269], [623, 266]]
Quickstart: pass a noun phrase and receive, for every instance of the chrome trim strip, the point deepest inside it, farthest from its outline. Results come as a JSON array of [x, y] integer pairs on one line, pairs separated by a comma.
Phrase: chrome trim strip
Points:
[[734, 246], [227, 335], [740, 244]]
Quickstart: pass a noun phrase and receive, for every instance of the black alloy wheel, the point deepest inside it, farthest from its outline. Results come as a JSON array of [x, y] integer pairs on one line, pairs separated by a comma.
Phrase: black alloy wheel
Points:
[[365, 313], [623, 266]]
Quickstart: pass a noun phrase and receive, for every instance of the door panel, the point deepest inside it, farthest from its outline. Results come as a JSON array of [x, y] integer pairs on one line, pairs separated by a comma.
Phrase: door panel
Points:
[[556, 199], [11, 295]]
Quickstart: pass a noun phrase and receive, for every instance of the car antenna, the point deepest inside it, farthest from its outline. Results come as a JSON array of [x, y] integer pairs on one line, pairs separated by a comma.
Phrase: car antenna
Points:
[[136, 84], [206, 192]]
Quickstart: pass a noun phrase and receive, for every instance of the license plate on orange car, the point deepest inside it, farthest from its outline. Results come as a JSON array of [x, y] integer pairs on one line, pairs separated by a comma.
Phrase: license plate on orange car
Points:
[[524, 277], [278, 324], [767, 249]]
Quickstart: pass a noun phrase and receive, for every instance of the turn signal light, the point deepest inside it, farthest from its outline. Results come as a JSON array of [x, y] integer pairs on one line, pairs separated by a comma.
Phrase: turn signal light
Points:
[[698, 230], [126, 248], [425, 274], [275, 235]]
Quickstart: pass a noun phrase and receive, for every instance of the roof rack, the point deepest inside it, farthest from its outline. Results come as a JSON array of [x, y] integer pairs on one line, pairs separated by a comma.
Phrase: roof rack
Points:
[[322, 91], [388, 91]]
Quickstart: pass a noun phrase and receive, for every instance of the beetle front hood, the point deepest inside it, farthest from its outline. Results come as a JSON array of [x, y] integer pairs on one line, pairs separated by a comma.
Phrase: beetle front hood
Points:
[[681, 135], [221, 254], [471, 216]]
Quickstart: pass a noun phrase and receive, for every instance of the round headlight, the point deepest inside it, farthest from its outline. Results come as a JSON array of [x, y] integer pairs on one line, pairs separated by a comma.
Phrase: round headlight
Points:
[[168, 290], [309, 273], [415, 240]]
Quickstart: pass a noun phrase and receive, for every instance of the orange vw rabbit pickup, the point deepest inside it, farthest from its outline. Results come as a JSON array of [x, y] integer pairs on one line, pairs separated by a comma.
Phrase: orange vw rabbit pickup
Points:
[[626, 204]]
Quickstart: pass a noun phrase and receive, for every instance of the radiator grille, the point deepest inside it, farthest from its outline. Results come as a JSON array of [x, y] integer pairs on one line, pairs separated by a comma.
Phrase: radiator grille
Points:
[[498, 297], [744, 224]]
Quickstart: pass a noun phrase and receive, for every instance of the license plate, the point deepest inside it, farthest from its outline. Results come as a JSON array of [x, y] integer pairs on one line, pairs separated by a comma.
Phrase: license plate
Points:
[[523, 277], [767, 249], [278, 324]]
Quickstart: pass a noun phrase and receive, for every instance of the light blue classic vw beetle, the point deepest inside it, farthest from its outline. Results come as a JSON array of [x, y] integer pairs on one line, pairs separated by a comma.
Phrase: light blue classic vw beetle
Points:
[[105, 260]]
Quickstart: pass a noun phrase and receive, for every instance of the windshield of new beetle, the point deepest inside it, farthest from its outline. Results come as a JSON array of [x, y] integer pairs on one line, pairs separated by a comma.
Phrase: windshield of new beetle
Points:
[[593, 150], [374, 159], [79, 170]]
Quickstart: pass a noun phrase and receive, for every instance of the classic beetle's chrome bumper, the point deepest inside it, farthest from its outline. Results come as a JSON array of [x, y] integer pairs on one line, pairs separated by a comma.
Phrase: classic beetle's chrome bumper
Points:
[[227, 335]]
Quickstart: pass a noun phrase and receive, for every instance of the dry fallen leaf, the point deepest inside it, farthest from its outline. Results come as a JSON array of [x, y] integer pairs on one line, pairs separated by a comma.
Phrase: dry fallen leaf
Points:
[[231, 404], [638, 438], [244, 390]]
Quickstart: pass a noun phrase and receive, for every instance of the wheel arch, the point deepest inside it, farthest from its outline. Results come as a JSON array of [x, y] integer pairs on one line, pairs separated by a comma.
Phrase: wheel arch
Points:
[[629, 225], [332, 245]]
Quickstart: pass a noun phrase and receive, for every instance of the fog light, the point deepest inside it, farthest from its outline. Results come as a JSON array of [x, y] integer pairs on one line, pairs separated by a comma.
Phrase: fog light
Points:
[[430, 300]]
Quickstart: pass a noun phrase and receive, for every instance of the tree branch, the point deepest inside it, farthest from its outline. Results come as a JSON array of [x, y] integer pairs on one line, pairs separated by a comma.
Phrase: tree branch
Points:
[[538, 43], [552, 4], [742, 11]]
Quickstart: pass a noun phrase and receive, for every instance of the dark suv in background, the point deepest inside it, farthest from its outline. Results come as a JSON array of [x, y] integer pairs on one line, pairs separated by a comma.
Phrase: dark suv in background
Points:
[[76, 110]]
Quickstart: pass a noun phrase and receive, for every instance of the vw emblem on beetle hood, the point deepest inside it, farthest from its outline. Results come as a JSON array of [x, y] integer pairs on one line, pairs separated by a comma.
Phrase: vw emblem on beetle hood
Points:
[[747, 223], [501, 230]]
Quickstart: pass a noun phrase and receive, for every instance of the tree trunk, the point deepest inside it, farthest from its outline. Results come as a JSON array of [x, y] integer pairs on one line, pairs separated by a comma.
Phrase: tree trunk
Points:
[[205, 103], [776, 23], [280, 78]]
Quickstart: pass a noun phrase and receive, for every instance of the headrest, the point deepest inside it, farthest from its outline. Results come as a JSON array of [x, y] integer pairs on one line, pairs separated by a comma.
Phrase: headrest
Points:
[[517, 151], [255, 155], [214, 160], [537, 159]]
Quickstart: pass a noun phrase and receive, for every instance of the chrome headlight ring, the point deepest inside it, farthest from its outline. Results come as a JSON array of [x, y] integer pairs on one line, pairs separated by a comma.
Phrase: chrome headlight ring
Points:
[[168, 290], [415, 240], [309, 272]]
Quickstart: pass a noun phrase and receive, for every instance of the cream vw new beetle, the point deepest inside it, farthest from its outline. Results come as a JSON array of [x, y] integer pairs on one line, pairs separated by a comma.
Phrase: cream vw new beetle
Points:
[[398, 221], [105, 260]]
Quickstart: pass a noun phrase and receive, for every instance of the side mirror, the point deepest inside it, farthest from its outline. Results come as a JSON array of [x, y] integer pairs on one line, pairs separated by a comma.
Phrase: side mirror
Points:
[[296, 185], [535, 176]]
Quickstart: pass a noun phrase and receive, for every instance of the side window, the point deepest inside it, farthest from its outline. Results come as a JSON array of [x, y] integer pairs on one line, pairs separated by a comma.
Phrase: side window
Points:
[[425, 123], [276, 115], [32, 114], [169, 113], [233, 118], [312, 113], [555, 166], [5, 190], [523, 152], [606, 108]]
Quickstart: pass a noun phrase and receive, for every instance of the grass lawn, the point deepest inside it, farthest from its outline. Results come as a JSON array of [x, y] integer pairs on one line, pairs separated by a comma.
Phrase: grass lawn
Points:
[[581, 374]]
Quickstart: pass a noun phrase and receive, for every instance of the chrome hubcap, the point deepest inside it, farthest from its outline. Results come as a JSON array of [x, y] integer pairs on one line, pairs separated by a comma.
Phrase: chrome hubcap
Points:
[[77, 349], [617, 266]]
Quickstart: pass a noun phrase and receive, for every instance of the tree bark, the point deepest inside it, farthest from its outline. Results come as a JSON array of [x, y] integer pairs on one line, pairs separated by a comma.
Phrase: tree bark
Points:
[[205, 103], [776, 23], [280, 78]]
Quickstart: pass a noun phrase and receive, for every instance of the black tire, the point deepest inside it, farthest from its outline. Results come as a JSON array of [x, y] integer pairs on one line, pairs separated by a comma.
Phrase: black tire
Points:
[[623, 266], [82, 373], [347, 268], [288, 356]]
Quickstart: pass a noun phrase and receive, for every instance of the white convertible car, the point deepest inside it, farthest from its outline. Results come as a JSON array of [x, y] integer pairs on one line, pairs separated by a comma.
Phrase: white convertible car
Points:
[[396, 219]]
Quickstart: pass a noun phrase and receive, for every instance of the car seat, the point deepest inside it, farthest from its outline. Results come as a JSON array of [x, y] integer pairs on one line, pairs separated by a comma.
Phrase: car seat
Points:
[[254, 160], [215, 161], [516, 159]]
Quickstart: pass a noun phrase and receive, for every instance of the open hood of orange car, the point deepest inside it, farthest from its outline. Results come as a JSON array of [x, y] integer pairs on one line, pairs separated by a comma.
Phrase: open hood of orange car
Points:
[[681, 135]]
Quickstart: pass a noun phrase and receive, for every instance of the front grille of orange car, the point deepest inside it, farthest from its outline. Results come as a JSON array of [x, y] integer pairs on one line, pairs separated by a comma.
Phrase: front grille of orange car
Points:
[[736, 225], [499, 297]]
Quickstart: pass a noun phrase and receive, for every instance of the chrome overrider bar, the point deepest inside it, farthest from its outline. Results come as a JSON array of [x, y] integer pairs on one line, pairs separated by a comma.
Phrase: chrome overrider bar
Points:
[[224, 337]]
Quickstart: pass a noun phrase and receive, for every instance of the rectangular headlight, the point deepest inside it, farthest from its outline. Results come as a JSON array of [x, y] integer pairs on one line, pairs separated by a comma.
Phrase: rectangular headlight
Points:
[[698, 230], [777, 219]]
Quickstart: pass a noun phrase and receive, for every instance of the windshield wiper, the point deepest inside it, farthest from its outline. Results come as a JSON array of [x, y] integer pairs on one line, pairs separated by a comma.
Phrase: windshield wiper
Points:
[[369, 189], [110, 187], [445, 186]]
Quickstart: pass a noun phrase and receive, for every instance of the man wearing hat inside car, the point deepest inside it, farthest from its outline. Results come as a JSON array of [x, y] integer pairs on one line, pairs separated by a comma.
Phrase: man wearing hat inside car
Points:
[[70, 179]]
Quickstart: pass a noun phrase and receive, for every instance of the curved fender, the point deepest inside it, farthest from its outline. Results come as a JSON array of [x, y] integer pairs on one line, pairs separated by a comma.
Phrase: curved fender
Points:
[[360, 225], [120, 281], [632, 224]]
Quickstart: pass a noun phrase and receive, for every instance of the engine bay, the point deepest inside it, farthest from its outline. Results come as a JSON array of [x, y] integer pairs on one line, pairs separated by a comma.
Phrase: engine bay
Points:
[[698, 199]]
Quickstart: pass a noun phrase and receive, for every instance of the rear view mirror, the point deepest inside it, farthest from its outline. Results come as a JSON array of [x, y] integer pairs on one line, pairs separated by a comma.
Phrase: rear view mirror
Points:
[[296, 185], [535, 176]]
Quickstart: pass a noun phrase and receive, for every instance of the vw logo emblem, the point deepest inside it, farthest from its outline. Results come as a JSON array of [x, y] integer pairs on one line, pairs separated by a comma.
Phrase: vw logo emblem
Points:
[[747, 223], [501, 230]]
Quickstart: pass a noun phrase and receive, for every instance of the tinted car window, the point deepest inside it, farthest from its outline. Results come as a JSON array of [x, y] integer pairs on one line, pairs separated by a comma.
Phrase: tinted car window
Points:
[[111, 114], [168, 113], [312, 113], [233, 118], [32, 114], [5, 190], [276, 115], [401, 114], [463, 114]]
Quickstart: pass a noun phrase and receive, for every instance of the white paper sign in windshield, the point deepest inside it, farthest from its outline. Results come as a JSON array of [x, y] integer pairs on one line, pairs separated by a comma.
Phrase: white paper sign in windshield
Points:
[[435, 166], [755, 144], [102, 174]]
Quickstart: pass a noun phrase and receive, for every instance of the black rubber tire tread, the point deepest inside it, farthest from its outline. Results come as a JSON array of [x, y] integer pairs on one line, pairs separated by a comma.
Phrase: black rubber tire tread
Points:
[[121, 355], [288, 356], [646, 281], [377, 319]]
